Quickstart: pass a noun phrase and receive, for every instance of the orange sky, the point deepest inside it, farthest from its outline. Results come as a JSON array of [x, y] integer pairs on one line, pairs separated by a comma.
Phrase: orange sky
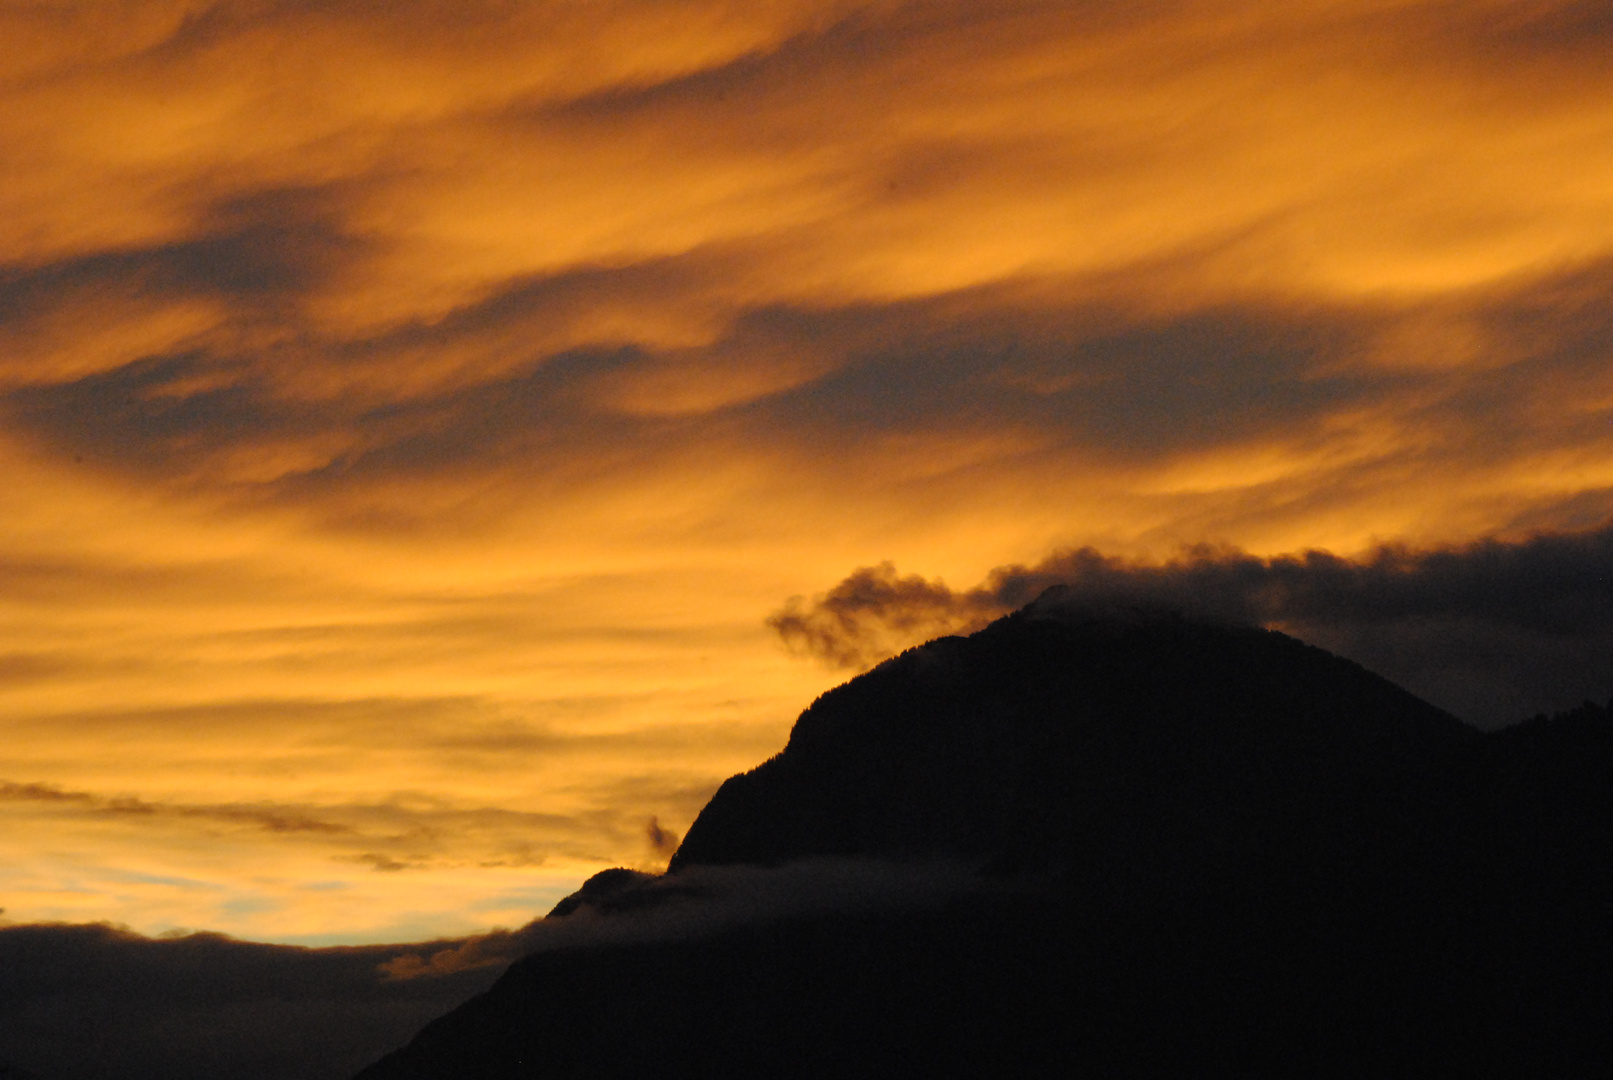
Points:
[[411, 411]]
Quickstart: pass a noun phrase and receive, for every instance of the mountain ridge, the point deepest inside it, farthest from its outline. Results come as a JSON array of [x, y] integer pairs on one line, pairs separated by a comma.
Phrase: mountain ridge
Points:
[[1058, 697], [1197, 847]]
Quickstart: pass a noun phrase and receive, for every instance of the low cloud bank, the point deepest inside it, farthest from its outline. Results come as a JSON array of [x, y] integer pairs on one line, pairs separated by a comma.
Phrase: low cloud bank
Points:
[[623, 906], [1493, 631], [95, 1001]]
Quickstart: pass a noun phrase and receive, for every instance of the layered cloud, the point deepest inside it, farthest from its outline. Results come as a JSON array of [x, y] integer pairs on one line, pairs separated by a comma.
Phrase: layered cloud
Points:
[[415, 400]]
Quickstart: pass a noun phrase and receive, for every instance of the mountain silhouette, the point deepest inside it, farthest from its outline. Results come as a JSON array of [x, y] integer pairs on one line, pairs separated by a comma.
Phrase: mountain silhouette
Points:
[[1191, 848], [1062, 735]]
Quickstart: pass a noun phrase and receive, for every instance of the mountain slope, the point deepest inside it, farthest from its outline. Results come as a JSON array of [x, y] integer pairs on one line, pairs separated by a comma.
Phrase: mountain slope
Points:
[[1194, 848], [1063, 735]]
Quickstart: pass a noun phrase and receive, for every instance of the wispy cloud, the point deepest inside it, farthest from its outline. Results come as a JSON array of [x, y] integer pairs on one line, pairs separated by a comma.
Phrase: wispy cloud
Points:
[[272, 819]]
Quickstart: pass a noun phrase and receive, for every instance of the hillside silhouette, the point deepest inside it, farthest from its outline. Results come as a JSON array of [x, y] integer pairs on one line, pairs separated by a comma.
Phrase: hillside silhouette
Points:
[[1191, 848]]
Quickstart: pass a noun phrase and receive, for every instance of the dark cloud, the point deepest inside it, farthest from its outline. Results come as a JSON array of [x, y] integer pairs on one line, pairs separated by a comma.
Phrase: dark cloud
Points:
[[164, 412], [492, 391], [1107, 384], [253, 248], [1558, 31], [1076, 377], [840, 59], [529, 414], [46, 793], [1123, 388], [853, 624], [384, 864], [25, 667], [256, 258], [94, 1002], [398, 834], [1493, 631], [1097, 374], [663, 841], [272, 243], [185, 417], [271, 819], [531, 304]]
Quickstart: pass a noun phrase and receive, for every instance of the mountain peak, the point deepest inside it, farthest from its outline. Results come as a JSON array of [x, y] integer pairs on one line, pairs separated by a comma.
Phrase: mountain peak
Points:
[[1013, 747], [1175, 847]]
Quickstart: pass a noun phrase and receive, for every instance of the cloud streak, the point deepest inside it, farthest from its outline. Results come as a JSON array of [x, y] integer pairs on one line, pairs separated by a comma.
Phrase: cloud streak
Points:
[[268, 819]]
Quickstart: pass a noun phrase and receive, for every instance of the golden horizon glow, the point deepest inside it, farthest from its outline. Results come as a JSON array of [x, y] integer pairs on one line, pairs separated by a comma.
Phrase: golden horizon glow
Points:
[[409, 413]]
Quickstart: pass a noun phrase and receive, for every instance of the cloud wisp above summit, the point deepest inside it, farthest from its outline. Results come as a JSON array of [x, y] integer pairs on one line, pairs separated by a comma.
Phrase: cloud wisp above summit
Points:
[[1492, 631]]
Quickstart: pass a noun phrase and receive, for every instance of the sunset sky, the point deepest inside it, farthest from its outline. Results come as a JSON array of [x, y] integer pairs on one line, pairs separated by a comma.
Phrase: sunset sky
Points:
[[412, 412]]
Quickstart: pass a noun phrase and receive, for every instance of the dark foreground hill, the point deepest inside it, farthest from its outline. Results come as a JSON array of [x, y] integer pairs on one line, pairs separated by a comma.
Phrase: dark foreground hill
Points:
[[1188, 849]]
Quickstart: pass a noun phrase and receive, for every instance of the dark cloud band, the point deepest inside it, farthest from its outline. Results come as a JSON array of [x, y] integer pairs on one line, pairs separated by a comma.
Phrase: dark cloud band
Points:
[[1493, 630]]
